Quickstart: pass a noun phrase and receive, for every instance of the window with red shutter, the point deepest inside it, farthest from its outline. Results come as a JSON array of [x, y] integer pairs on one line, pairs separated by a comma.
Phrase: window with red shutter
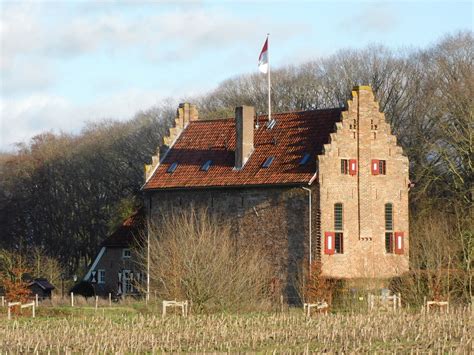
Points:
[[353, 166], [329, 243], [399, 242]]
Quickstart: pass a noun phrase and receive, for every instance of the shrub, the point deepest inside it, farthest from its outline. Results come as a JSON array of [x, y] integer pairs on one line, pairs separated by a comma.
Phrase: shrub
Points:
[[193, 256]]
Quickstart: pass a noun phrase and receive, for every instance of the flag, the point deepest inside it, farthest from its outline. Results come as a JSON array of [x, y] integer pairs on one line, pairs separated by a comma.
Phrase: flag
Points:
[[263, 58]]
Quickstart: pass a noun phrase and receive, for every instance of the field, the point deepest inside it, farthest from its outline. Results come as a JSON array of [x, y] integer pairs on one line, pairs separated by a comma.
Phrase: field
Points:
[[128, 329]]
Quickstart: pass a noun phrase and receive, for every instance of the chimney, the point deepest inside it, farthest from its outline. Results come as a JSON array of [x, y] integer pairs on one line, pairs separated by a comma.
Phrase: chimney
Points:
[[244, 117]]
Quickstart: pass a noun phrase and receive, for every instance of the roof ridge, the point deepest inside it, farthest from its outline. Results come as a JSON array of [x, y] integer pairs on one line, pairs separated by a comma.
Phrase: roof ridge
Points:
[[273, 114]]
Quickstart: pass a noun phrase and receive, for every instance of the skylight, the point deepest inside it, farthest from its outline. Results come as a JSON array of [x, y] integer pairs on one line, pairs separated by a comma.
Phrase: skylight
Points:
[[172, 168], [268, 162], [271, 123], [206, 165], [305, 159]]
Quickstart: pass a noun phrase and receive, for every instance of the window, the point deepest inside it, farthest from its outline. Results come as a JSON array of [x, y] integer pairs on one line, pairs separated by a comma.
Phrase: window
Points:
[[349, 166], [305, 159], [126, 254], [378, 167], [271, 124], [389, 242], [172, 168], [268, 162], [338, 243], [101, 278], [388, 216], [382, 167], [127, 282], [338, 227], [344, 166], [206, 165]]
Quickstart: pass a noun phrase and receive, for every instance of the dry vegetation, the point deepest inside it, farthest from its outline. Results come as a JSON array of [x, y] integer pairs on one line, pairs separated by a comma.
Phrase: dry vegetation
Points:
[[115, 330]]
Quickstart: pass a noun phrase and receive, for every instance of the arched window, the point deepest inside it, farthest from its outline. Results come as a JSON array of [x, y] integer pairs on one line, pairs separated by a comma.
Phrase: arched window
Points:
[[389, 241]]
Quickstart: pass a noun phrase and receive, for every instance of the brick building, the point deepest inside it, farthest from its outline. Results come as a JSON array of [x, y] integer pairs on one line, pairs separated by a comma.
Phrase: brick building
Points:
[[116, 268], [328, 185]]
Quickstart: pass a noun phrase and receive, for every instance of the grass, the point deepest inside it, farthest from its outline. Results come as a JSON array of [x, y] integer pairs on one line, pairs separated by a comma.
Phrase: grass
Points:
[[135, 328]]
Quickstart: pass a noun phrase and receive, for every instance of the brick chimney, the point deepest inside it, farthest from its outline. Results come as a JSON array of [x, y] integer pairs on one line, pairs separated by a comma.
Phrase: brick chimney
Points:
[[244, 119]]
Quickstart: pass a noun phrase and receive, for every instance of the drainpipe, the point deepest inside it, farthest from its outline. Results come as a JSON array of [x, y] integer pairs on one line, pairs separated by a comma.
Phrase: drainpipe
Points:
[[147, 299], [309, 228]]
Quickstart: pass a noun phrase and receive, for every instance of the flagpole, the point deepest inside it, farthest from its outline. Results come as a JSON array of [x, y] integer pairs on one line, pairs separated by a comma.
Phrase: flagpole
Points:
[[269, 85]]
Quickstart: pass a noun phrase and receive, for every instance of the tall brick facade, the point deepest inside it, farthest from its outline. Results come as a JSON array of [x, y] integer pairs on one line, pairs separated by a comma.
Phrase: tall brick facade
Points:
[[363, 135]]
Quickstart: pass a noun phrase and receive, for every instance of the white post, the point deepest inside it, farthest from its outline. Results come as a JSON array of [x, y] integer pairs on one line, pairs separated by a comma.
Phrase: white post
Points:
[[33, 310], [147, 297], [164, 309], [36, 300], [110, 300], [96, 302], [72, 299]]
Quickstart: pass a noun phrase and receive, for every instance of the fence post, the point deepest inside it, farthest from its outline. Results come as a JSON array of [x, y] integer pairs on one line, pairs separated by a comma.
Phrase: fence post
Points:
[[110, 299], [72, 299], [281, 303], [33, 310], [36, 300], [9, 313], [164, 309], [3, 301]]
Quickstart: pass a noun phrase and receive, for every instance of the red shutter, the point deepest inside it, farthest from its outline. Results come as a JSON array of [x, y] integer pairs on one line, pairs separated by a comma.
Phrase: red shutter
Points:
[[329, 243], [398, 242], [353, 166], [375, 167]]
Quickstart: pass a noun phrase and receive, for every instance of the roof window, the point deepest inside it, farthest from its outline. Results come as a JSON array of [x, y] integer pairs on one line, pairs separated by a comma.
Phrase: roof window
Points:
[[206, 165], [268, 162], [172, 168], [305, 159], [271, 123]]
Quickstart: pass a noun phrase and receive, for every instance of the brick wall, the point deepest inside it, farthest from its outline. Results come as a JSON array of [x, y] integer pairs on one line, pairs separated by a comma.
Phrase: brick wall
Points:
[[364, 135], [274, 217], [113, 263]]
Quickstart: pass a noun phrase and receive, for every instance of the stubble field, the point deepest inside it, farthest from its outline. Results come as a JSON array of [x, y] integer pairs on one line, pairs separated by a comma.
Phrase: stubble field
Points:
[[124, 330]]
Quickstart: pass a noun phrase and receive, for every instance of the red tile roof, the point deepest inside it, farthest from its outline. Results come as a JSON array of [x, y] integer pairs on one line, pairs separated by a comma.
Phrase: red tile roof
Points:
[[128, 232], [294, 134]]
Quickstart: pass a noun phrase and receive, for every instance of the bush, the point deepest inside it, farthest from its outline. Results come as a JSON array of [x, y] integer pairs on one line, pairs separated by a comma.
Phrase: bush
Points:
[[194, 257]]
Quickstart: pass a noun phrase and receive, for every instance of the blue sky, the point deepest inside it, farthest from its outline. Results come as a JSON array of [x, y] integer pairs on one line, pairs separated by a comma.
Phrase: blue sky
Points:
[[63, 63]]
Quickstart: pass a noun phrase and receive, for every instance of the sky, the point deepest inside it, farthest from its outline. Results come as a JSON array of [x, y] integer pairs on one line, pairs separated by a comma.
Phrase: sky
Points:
[[65, 63]]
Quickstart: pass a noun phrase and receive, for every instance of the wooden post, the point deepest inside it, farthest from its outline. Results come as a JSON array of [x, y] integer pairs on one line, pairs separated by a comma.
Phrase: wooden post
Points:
[[36, 300], [72, 299], [96, 302], [164, 309], [12, 304], [33, 311], [3, 301], [110, 300]]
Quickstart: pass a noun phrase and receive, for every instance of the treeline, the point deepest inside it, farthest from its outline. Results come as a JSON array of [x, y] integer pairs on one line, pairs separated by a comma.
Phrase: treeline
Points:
[[63, 193]]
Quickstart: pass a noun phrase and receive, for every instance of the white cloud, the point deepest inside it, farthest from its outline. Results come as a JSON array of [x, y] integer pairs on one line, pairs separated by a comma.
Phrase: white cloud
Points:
[[21, 119]]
